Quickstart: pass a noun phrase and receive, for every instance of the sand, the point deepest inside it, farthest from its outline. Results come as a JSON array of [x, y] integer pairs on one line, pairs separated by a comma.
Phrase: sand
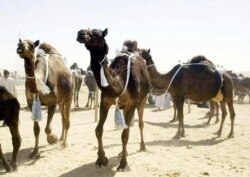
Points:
[[200, 153]]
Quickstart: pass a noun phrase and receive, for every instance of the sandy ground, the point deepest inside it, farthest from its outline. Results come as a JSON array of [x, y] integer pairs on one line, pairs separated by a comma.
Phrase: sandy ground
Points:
[[200, 153]]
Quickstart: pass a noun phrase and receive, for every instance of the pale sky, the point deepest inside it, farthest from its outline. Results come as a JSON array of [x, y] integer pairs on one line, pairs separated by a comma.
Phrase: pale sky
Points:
[[173, 29]]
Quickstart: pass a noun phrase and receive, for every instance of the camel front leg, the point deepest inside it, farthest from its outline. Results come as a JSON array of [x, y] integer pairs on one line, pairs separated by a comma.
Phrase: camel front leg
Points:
[[128, 114], [51, 138], [4, 161], [16, 141], [179, 105], [103, 112], [174, 117], [34, 153]]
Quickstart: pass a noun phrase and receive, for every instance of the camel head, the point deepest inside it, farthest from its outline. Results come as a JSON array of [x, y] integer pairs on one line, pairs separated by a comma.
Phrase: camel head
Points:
[[92, 38], [26, 48], [145, 54]]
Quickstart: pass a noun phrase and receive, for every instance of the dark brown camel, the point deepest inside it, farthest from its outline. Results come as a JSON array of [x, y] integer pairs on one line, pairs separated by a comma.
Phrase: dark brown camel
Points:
[[130, 98], [197, 82], [131, 46], [9, 113], [92, 86], [60, 85], [77, 80]]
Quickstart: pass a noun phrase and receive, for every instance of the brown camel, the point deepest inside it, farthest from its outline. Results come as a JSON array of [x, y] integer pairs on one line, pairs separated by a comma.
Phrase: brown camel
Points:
[[77, 80], [59, 82], [92, 86], [131, 97], [196, 81], [9, 113]]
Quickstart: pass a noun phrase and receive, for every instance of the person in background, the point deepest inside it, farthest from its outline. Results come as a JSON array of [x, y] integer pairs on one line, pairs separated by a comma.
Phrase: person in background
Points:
[[162, 101], [9, 83]]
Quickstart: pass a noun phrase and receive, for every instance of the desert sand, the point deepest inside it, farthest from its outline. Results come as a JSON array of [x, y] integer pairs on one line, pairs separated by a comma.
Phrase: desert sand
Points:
[[200, 153]]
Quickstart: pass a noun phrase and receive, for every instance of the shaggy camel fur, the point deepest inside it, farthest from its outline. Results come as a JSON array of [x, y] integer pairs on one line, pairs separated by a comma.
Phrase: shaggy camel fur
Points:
[[130, 98], [59, 82], [197, 82], [9, 113]]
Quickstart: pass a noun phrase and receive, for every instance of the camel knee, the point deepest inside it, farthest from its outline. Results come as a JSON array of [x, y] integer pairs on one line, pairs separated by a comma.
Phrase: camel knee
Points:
[[141, 124]]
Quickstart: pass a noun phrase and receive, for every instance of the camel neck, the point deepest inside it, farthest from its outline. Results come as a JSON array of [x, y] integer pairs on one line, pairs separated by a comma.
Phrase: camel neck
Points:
[[29, 67], [95, 65], [160, 81]]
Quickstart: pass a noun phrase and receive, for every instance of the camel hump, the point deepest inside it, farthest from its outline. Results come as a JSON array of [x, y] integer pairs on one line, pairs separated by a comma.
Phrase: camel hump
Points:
[[48, 49], [129, 46]]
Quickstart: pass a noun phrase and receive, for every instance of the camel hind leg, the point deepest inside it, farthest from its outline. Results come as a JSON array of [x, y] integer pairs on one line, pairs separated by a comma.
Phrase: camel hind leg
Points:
[[224, 114], [140, 110], [232, 118], [64, 108]]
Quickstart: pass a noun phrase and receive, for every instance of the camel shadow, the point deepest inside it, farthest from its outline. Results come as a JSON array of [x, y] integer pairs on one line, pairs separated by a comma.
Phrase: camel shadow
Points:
[[91, 170], [174, 125], [182, 142], [23, 158]]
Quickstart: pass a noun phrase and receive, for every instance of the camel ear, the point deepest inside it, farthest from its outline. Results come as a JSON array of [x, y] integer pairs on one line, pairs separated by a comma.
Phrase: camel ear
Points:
[[36, 43], [148, 51], [105, 32], [20, 40]]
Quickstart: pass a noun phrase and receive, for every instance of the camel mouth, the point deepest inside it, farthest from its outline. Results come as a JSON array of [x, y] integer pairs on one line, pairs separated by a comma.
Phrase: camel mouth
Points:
[[82, 39], [19, 51]]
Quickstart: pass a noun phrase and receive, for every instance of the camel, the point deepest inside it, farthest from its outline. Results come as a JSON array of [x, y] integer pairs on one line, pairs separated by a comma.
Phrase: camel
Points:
[[244, 88], [59, 82], [77, 80], [198, 81], [132, 95], [92, 86], [131, 46], [9, 113]]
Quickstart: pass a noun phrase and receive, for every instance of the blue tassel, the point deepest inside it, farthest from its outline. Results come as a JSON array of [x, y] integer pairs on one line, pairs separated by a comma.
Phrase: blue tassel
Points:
[[119, 119], [36, 110]]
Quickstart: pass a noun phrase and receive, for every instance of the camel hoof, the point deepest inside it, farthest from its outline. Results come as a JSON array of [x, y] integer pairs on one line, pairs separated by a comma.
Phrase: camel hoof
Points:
[[142, 149], [231, 135], [206, 123], [176, 137], [14, 165], [101, 161], [123, 166], [218, 133], [7, 167], [217, 121], [34, 155], [173, 120], [123, 169], [52, 139]]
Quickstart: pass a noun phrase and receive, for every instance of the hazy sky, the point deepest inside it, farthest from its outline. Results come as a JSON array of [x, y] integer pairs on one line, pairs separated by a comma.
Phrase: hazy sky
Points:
[[173, 29]]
